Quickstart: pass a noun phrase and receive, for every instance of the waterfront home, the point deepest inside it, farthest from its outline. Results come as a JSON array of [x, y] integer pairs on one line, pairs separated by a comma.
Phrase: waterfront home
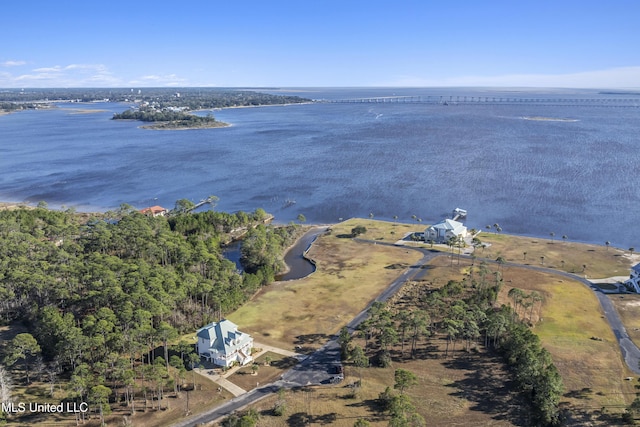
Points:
[[155, 211], [633, 284], [223, 344], [444, 230]]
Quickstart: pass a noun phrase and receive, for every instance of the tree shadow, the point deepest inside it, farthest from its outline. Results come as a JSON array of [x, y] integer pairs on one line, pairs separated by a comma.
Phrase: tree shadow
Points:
[[304, 419], [584, 393], [489, 390], [286, 363], [375, 410]]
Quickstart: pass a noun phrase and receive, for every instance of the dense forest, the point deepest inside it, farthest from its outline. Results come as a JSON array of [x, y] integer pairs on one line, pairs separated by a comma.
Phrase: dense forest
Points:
[[97, 297]]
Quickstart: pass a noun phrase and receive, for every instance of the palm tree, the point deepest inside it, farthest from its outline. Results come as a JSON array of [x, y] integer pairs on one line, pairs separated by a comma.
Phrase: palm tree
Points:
[[565, 237], [517, 295], [542, 260], [631, 251], [535, 297], [552, 234], [524, 255], [607, 243]]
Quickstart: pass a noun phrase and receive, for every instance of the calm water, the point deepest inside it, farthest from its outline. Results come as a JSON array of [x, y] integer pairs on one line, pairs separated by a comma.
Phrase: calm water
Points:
[[534, 177]]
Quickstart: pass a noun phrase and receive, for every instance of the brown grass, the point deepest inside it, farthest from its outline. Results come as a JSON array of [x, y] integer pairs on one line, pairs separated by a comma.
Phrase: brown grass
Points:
[[468, 389], [305, 312], [205, 396], [245, 379], [600, 261], [628, 307]]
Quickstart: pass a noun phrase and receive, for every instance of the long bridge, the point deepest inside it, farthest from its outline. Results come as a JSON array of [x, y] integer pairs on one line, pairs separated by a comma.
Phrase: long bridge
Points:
[[489, 100]]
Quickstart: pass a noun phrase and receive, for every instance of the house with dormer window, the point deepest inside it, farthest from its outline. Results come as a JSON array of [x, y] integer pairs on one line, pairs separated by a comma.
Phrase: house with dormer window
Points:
[[444, 230], [223, 344]]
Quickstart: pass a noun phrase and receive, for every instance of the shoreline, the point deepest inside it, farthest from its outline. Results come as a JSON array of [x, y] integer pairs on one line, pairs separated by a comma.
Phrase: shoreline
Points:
[[159, 127], [6, 205]]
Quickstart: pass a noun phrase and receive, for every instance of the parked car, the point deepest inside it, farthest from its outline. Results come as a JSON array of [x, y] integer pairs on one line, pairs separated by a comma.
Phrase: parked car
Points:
[[336, 379]]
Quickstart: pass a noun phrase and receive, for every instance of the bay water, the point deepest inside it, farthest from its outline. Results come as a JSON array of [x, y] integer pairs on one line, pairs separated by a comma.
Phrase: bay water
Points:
[[533, 167]]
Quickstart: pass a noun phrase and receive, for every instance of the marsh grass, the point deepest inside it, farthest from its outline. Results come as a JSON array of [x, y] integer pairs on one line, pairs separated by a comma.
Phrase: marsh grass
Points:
[[305, 312]]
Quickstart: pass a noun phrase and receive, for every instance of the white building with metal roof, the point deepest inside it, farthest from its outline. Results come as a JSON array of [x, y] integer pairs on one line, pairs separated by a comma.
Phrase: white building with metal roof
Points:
[[444, 230], [223, 344], [633, 284]]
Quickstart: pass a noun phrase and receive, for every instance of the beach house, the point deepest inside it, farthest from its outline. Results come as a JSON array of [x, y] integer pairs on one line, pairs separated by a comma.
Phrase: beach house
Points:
[[444, 230], [223, 344], [633, 284], [155, 211]]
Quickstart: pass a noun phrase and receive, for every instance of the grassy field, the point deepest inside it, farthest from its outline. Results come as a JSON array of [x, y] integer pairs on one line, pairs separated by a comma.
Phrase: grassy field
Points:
[[246, 379], [467, 390], [569, 322], [593, 261], [628, 307], [572, 327], [305, 312]]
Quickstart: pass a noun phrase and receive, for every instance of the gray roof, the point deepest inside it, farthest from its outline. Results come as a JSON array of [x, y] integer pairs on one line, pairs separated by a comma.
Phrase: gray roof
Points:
[[636, 268], [225, 336], [447, 224]]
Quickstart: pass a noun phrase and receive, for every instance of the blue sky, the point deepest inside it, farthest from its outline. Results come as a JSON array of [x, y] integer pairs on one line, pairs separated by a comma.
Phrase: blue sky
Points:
[[537, 43]]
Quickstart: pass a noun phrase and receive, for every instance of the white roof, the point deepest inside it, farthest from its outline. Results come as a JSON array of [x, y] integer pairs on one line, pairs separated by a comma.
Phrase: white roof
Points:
[[448, 224]]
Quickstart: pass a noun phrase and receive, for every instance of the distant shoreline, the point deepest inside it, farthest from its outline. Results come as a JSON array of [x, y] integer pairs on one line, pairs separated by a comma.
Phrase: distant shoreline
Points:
[[548, 119], [161, 126]]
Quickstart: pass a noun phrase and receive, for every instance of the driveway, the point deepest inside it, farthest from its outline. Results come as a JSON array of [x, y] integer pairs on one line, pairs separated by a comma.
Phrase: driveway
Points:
[[314, 369]]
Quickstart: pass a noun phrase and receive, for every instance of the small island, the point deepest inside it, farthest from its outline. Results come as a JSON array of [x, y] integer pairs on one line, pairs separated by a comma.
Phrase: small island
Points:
[[169, 120]]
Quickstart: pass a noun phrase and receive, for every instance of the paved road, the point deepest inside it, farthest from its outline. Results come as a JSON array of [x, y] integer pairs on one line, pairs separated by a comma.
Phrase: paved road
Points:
[[316, 368], [630, 351]]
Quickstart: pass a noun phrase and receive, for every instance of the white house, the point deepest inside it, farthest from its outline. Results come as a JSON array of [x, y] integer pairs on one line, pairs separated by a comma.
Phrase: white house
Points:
[[444, 230], [633, 284], [223, 344]]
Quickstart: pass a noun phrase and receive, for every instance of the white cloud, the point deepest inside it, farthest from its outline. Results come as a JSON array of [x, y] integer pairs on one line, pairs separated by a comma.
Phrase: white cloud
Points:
[[55, 69], [71, 75], [160, 80], [12, 63], [84, 75]]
